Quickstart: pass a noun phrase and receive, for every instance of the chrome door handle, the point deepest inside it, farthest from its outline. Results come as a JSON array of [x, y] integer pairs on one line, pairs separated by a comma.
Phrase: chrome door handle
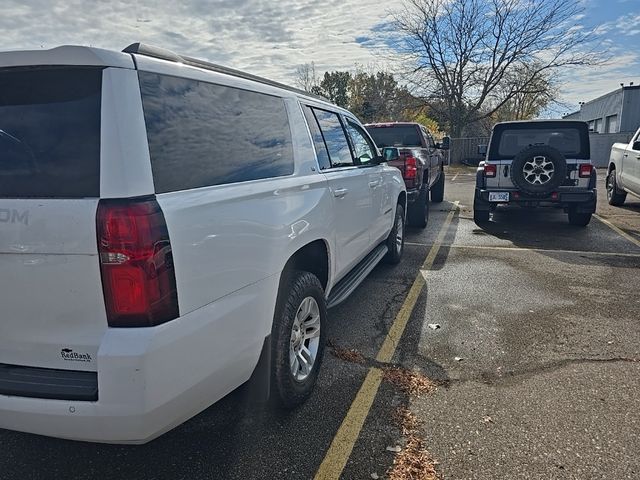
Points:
[[374, 184], [340, 192]]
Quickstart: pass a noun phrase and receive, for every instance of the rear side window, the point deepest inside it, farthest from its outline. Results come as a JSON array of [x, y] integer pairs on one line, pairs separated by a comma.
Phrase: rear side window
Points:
[[201, 134], [335, 138], [50, 132], [396, 136], [318, 141]]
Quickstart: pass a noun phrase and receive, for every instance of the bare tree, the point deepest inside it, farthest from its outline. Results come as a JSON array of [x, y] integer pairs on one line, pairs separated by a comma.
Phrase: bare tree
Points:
[[526, 102], [472, 57], [306, 77]]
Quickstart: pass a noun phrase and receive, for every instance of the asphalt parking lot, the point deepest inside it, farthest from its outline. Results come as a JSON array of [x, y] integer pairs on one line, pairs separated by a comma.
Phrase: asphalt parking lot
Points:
[[534, 367]]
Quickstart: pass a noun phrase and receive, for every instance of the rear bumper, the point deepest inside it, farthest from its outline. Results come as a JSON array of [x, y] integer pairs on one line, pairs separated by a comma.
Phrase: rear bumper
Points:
[[153, 379], [584, 201]]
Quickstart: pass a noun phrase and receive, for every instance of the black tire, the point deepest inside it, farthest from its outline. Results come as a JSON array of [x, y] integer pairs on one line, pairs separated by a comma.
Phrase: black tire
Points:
[[418, 213], [289, 392], [481, 217], [437, 191], [614, 196], [394, 254], [579, 219], [551, 170]]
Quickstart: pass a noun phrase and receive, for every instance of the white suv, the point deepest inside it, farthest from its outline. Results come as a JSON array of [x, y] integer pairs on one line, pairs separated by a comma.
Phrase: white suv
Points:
[[169, 228]]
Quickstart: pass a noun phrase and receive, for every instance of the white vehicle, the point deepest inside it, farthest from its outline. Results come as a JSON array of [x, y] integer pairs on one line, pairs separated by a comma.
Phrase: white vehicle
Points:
[[169, 228], [623, 175]]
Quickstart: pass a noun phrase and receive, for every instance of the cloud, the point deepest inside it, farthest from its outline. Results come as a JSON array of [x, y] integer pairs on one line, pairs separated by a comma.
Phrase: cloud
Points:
[[261, 36]]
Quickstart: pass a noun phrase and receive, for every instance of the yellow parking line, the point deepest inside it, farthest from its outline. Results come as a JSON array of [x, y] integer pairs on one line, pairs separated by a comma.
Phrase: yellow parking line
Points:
[[620, 232], [342, 445]]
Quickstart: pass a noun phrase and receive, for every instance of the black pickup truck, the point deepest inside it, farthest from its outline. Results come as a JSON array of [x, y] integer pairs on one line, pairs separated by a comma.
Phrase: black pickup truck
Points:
[[410, 147]]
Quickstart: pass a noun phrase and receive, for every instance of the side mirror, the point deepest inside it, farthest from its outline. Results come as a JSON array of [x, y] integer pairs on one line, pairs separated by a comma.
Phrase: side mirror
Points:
[[445, 144], [636, 145], [482, 149], [390, 153], [377, 160]]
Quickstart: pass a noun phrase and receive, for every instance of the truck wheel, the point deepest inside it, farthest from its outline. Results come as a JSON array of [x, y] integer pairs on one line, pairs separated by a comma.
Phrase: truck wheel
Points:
[[579, 219], [298, 335], [437, 191], [418, 213], [395, 240], [614, 196]]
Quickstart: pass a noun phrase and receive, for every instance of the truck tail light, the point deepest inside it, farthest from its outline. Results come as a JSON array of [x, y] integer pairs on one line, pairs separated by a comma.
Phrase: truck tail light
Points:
[[136, 263], [490, 170], [410, 167], [585, 170]]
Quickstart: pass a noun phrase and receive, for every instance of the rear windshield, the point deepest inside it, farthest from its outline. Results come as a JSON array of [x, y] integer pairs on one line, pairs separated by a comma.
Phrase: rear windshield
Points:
[[50, 132], [571, 141], [396, 136]]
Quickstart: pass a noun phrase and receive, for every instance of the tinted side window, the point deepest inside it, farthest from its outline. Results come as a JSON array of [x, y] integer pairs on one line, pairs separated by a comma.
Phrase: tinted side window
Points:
[[364, 151], [50, 132], [202, 134], [335, 138], [318, 141]]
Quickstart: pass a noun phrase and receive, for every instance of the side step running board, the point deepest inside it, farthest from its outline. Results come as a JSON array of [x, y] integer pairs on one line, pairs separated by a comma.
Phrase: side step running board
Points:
[[345, 287]]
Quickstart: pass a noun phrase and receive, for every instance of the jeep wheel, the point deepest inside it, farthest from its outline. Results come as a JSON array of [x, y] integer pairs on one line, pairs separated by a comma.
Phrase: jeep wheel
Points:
[[614, 196], [481, 217], [395, 240], [418, 213], [437, 191], [298, 337], [579, 219], [538, 170]]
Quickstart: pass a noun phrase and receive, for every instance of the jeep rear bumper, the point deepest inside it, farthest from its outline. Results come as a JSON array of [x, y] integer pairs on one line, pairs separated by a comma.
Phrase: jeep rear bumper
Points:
[[583, 201]]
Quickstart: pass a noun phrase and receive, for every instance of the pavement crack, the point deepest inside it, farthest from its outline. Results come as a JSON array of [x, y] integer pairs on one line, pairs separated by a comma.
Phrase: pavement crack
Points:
[[493, 378]]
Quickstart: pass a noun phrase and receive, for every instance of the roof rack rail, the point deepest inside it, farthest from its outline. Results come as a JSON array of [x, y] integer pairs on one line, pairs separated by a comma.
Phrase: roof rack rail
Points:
[[164, 54]]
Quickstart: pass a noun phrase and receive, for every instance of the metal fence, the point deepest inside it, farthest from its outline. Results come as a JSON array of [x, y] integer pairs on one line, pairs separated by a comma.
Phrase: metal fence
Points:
[[465, 150]]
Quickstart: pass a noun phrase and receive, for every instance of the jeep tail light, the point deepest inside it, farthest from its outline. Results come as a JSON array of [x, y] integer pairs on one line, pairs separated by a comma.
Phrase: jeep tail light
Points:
[[138, 278], [410, 167], [585, 170], [490, 170]]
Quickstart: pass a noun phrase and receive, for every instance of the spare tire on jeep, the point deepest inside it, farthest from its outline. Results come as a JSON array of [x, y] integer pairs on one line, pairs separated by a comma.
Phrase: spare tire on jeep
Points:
[[538, 170]]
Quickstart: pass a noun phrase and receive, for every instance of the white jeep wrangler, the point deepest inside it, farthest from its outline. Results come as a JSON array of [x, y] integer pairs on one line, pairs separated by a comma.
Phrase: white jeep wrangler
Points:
[[540, 163]]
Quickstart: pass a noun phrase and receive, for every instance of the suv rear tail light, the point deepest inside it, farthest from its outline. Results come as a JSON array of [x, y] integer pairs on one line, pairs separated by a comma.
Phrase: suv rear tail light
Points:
[[138, 278], [490, 170], [585, 170], [410, 167]]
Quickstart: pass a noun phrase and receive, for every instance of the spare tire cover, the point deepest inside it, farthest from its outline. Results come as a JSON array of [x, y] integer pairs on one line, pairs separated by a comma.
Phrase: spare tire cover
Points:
[[538, 170]]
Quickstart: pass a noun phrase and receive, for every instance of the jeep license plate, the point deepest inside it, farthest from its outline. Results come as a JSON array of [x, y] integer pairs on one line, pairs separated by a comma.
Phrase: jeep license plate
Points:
[[498, 196]]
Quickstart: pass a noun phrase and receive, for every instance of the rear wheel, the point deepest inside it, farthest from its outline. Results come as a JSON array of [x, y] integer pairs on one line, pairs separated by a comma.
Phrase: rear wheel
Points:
[[437, 191], [298, 336], [614, 196], [579, 219], [418, 213], [395, 240]]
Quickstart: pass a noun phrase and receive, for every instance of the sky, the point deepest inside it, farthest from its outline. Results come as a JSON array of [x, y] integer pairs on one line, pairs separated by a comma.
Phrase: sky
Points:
[[271, 37]]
